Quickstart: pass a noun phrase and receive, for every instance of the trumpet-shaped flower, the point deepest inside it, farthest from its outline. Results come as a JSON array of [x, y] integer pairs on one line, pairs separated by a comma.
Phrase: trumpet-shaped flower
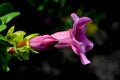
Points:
[[44, 42], [75, 38]]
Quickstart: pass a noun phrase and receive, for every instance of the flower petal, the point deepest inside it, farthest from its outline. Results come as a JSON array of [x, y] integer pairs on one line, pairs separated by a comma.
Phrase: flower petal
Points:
[[79, 49], [79, 22], [42, 42], [81, 37], [84, 59]]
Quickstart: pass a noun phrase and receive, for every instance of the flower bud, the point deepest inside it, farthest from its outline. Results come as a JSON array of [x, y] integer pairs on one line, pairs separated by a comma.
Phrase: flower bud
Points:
[[42, 42]]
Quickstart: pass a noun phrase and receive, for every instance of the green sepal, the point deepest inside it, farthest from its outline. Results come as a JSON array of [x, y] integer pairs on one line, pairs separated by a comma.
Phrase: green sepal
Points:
[[10, 31], [19, 36], [24, 55], [23, 52], [6, 68], [32, 50], [31, 36]]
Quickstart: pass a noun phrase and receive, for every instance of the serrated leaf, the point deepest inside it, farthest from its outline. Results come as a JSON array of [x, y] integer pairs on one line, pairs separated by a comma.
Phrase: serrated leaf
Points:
[[31, 36], [2, 27], [11, 15]]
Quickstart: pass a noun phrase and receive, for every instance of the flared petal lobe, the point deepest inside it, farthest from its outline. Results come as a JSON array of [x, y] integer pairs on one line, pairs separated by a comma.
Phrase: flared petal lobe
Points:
[[75, 38], [81, 44]]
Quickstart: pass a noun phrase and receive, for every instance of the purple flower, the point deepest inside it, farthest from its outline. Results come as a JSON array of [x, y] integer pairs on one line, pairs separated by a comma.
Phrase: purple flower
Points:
[[44, 42], [75, 38]]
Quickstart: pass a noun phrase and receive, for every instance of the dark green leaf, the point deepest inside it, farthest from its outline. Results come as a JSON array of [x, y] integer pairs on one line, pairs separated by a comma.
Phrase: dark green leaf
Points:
[[6, 8], [0, 22], [6, 68], [4, 56]]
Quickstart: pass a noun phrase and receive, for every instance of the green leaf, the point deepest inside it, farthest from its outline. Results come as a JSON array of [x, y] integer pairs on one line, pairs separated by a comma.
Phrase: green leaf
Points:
[[40, 7], [6, 8], [2, 27], [4, 19], [0, 22], [3, 38], [11, 15], [4, 56], [6, 68]]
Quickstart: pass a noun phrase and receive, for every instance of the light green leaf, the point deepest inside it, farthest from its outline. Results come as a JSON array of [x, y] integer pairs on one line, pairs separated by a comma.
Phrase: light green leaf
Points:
[[2, 27], [3, 38], [4, 19], [11, 15]]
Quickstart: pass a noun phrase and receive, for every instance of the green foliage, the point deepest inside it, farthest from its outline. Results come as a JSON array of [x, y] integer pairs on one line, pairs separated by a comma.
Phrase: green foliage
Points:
[[2, 27], [20, 43], [8, 17], [6, 8], [4, 56]]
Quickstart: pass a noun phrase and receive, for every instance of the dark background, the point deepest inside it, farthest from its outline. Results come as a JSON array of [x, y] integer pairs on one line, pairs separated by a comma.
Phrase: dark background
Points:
[[57, 64]]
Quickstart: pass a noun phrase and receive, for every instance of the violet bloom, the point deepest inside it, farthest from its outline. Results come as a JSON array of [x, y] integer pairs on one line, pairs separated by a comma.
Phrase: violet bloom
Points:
[[75, 38], [44, 42]]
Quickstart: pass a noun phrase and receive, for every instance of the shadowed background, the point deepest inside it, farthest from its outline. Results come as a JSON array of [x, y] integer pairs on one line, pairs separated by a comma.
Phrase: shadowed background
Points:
[[47, 17]]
